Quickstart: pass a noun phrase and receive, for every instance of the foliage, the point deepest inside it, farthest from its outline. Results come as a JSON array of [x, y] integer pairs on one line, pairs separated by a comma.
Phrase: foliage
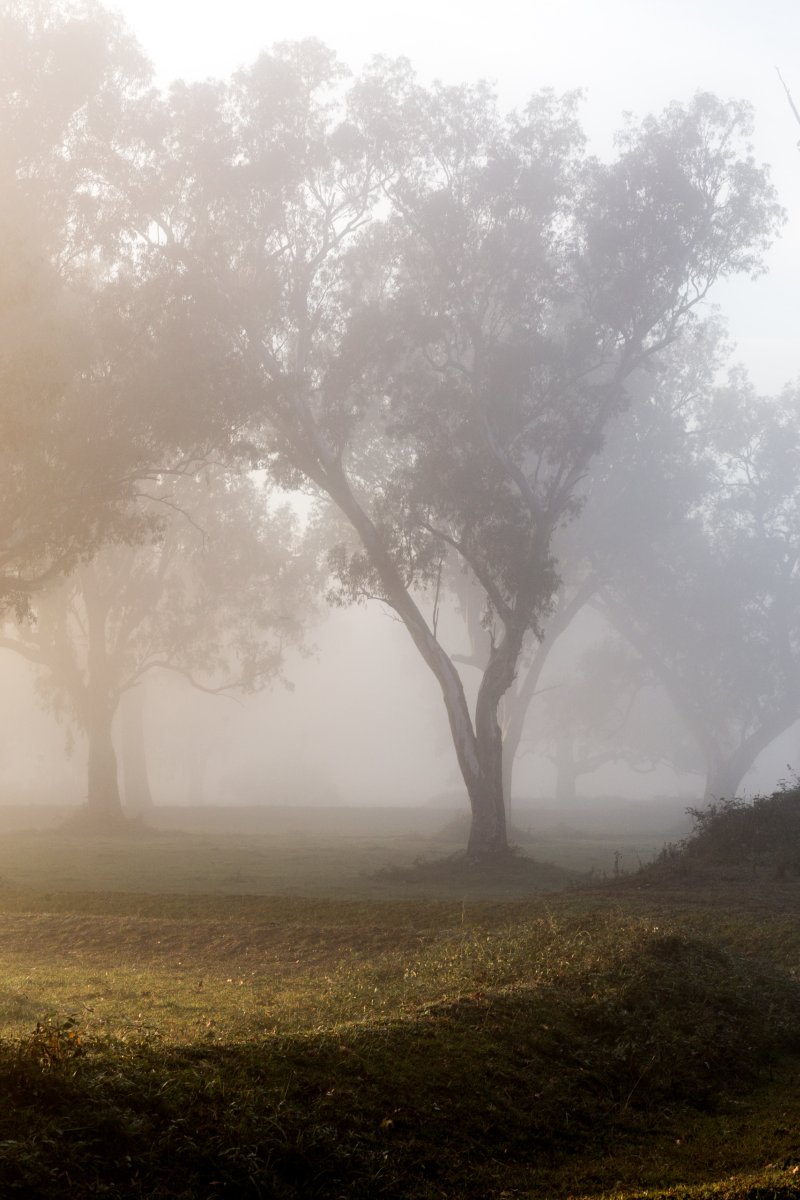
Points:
[[763, 832], [427, 313], [414, 307], [65, 482]]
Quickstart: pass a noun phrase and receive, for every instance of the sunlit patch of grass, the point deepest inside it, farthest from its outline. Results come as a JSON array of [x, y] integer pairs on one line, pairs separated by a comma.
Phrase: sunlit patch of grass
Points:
[[189, 1046]]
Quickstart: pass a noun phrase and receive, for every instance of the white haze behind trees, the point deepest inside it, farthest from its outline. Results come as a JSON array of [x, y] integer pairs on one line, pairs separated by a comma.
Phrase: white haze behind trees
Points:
[[337, 737], [364, 721]]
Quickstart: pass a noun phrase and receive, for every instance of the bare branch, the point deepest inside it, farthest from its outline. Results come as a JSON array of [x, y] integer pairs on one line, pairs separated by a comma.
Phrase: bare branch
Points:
[[792, 104]]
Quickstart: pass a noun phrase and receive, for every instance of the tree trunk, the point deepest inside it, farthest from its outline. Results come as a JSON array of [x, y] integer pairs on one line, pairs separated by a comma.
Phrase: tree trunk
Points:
[[479, 750], [722, 782], [103, 798], [489, 833], [724, 775], [566, 771], [510, 747], [488, 837], [104, 805], [136, 790], [518, 702]]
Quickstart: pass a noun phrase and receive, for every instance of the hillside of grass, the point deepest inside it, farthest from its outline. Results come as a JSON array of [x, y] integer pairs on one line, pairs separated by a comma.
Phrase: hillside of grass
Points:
[[581, 1044]]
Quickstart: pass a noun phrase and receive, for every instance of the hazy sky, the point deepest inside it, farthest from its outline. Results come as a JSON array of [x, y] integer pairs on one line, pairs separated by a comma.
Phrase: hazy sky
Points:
[[632, 55]]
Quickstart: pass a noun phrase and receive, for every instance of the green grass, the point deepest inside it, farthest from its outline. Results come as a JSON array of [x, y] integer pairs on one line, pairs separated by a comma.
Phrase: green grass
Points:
[[638, 1039]]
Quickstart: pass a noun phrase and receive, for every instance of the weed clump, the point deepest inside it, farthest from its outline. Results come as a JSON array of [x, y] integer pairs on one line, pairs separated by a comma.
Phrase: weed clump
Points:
[[743, 838], [763, 832]]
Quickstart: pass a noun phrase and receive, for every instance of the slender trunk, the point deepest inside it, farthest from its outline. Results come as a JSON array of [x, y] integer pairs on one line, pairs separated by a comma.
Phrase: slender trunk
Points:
[[103, 797], [516, 706], [136, 790], [518, 702], [510, 748], [104, 803], [566, 771]]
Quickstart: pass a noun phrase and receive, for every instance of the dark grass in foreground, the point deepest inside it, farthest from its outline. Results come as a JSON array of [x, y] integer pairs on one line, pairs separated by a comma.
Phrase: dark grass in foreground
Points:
[[554, 1057], [640, 1040]]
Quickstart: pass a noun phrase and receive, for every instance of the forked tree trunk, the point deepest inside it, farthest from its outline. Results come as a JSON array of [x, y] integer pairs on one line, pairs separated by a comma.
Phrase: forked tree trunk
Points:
[[488, 837], [479, 749], [136, 790]]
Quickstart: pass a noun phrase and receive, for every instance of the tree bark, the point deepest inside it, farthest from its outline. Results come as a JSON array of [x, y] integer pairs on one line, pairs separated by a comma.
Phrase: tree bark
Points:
[[137, 794], [104, 804]]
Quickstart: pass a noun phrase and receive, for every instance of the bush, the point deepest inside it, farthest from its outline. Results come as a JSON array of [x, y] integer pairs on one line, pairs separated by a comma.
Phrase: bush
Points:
[[764, 831]]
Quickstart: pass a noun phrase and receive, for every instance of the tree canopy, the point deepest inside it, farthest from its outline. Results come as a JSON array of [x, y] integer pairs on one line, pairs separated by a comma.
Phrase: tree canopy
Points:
[[416, 308]]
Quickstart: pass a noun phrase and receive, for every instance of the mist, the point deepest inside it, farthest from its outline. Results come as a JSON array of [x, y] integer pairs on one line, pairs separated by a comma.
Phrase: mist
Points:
[[399, 600]]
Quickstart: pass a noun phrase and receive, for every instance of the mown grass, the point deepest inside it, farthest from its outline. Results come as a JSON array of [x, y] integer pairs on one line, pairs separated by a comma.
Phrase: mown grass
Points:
[[294, 1048], [640, 1039]]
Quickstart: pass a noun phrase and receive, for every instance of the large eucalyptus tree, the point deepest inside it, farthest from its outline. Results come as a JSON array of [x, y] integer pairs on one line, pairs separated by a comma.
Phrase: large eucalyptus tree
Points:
[[427, 313]]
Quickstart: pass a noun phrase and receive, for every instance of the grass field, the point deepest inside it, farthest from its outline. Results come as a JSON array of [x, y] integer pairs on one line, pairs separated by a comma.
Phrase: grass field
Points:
[[195, 1014]]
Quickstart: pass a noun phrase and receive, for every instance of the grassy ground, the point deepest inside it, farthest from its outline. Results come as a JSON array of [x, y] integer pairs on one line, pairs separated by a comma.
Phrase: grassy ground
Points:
[[323, 852], [640, 1038]]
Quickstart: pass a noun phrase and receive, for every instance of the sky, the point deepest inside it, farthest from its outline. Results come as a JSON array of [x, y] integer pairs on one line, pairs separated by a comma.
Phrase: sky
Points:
[[625, 55]]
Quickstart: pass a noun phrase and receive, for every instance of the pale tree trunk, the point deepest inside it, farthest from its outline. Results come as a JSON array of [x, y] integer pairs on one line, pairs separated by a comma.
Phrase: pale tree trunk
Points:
[[566, 771], [516, 705], [104, 804], [518, 702], [136, 789], [725, 774]]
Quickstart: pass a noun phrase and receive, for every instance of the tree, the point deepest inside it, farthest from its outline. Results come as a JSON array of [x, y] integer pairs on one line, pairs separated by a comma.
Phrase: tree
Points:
[[606, 708], [215, 597], [435, 311], [65, 484], [712, 604]]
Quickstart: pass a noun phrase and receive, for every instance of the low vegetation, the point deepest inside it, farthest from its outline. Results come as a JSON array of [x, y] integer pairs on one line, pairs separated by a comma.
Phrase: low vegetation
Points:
[[734, 839], [621, 1040]]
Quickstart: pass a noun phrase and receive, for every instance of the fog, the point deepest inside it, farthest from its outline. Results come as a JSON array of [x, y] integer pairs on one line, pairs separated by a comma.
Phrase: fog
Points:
[[367, 446], [359, 723]]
